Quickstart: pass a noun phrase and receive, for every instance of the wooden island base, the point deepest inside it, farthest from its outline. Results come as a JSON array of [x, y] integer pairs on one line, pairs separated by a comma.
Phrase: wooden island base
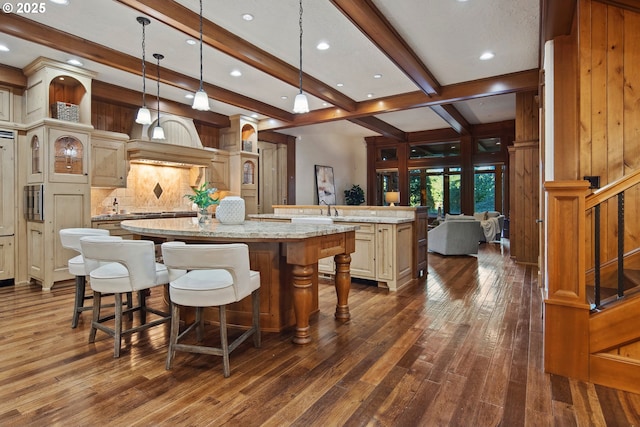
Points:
[[288, 276]]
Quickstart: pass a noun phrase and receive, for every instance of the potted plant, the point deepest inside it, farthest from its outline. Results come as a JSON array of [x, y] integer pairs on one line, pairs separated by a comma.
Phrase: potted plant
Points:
[[203, 198], [354, 195]]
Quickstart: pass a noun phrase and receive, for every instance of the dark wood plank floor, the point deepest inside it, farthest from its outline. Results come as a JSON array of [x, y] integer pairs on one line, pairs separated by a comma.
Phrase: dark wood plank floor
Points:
[[463, 348]]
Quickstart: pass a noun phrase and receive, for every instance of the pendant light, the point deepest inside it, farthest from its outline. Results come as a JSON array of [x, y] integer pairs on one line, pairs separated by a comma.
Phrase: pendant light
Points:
[[201, 99], [144, 115], [301, 104], [158, 132]]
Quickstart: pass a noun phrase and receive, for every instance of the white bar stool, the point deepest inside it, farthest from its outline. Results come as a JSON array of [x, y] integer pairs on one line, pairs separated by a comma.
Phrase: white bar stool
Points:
[[218, 274], [70, 239], [130, 267]]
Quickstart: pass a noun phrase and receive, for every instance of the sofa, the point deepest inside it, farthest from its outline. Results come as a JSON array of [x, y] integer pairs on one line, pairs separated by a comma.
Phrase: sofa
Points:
[[461, 234]]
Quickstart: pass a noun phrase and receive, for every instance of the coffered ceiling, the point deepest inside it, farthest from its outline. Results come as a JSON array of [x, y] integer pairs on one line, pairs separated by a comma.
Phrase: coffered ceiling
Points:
[[426, 54]]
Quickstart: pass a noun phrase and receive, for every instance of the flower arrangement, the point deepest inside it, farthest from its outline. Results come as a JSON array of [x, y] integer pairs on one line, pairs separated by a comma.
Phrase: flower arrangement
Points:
[[203, 196]]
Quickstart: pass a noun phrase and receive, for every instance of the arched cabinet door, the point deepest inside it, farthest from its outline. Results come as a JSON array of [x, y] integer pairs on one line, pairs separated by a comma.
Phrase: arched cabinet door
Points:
[[68, 156]]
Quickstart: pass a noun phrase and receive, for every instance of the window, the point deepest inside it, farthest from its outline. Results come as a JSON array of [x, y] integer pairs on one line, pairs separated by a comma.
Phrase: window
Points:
[[387, 181], [436, 188], [487, 188], [488, 145], [434, 150]]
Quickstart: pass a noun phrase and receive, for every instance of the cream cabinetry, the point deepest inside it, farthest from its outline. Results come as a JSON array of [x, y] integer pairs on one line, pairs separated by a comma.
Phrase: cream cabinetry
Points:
[[383, 253], [7, 257], [219, 175], [108, 160]]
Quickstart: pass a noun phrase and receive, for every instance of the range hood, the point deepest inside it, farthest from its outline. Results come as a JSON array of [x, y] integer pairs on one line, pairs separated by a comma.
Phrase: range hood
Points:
[[139, 151], [181, 148]]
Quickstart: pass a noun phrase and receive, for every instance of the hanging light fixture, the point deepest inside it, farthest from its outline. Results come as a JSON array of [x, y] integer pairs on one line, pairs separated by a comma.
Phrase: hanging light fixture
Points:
[[144, 115], [201, 99], [158, 132], [301, 104]]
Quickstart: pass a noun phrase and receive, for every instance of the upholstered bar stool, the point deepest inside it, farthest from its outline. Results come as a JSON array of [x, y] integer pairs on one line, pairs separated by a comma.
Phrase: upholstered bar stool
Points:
[[218, 274], [130, 267], [70, 239]]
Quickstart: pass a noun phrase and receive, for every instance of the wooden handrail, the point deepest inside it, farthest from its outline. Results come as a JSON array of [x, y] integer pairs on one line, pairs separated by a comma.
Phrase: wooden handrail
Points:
[[612, 189]]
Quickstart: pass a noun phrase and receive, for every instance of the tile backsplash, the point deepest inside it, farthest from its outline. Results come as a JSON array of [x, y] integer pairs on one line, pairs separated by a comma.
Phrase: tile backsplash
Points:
[[141, 190]]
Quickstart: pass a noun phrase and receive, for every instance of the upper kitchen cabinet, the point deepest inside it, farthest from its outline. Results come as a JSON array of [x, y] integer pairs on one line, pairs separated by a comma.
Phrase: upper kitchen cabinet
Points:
[[241, 140], [108, 159], [57, 90]]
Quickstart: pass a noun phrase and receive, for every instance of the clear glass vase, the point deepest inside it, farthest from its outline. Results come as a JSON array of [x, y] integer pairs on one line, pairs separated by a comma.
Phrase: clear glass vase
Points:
[[204, 216]]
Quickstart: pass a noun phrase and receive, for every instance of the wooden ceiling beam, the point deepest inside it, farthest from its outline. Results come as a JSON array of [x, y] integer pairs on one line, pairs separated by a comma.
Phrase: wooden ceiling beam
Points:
[[13, 77], [523, 81], [368, 18], [453, 117], [34, 32], [380, 126], [183, 19]]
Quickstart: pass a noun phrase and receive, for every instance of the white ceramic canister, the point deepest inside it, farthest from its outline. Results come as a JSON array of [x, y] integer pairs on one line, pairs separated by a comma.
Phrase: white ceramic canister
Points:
[[230, 210]]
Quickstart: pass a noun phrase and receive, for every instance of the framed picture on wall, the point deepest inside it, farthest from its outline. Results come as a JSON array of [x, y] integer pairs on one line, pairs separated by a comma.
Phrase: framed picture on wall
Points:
[[325, 185]]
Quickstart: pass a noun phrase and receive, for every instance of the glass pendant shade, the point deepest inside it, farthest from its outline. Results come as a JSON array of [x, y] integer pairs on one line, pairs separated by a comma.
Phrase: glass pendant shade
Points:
[[158, 132], [144, 116], [201, 101], [301, 104]]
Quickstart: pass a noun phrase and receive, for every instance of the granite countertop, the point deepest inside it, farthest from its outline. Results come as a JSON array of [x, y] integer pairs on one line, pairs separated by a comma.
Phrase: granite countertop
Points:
[[189, 227], [143, 215], [338, 219]]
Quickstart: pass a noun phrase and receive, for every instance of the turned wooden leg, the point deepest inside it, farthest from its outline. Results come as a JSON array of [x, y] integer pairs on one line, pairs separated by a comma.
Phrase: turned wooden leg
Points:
[[343, 284], [302, 300]]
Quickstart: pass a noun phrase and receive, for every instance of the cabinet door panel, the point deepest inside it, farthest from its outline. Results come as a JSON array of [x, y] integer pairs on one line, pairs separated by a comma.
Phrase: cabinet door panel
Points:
[[6, 258], [385, 251], [108, 164]]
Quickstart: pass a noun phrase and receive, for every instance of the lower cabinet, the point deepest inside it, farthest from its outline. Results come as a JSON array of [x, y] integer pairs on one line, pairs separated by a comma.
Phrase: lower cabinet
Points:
[[6, 257], [384, 253]]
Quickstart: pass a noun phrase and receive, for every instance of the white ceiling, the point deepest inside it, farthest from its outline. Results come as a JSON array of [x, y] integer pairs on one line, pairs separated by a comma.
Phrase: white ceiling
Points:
[[447, 35]]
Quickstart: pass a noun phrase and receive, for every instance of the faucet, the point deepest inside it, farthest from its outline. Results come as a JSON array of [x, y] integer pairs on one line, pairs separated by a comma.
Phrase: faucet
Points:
[[328, 207]]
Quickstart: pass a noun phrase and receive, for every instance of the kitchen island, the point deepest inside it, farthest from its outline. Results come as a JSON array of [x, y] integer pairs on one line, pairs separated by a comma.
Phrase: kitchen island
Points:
[[285, 254]]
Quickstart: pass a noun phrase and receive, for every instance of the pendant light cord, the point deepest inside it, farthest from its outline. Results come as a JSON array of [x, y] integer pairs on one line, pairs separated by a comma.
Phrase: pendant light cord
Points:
[[144, 67], [158, 57], [200, 44], [300, 23]]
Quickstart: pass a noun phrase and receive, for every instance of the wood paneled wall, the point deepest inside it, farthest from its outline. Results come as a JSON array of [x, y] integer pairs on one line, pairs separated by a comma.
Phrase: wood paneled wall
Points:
[[120, 118], [524, 176], [598, 128]]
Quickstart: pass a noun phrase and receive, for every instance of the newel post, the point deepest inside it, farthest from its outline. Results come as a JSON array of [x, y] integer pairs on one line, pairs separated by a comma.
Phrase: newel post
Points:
[[566, 311]]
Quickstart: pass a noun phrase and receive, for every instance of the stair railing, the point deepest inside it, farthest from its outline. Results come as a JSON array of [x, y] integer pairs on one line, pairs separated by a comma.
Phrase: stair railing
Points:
[[594, 201]]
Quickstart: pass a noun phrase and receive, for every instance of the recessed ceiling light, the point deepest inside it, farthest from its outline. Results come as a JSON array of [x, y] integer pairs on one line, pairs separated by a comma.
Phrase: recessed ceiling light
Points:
[[75, 62], [340, 84], [59, 1], [377, 76], [254, 115], [189, 96], [191, 42], [247, 17], [322, 46], [284, 97], [236, 73], [324, 104], [61, 78], [3, 48], [369, 95], [487, 55]]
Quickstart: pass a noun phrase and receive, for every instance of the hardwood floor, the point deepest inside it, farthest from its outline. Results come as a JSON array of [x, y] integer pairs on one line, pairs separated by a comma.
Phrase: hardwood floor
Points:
[[463, 348]]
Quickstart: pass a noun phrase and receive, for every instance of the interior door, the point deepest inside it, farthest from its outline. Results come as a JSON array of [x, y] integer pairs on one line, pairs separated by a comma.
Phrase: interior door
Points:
[[273, 171]]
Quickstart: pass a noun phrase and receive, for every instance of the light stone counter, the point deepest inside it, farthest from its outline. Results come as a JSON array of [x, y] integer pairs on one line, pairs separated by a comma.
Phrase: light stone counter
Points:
[[336, 219], [249, 230]]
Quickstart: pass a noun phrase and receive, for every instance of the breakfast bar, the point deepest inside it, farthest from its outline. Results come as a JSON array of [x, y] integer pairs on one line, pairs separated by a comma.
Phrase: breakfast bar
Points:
[[285, 254]]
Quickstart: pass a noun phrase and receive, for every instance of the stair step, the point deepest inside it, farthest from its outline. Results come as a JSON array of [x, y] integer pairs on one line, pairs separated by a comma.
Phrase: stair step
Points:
[[608, 295]]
